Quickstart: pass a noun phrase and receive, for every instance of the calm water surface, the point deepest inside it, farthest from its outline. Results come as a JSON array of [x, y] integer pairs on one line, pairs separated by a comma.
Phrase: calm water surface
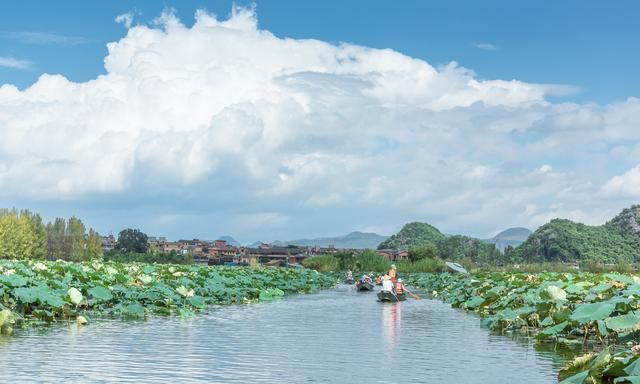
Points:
[[336, 336]]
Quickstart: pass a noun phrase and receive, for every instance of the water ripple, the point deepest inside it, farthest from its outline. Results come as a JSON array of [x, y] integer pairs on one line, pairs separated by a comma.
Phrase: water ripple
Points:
[[335, 336]]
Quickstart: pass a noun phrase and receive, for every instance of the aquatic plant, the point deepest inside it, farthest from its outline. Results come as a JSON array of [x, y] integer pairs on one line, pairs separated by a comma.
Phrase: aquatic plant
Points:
[[601, 309], [44, 291]]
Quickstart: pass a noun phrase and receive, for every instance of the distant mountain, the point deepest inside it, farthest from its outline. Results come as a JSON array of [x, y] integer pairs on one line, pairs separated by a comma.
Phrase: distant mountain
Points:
[[413, 234], [448, 247], [617, 241], [512, 236], [230, 240], [354, 240]]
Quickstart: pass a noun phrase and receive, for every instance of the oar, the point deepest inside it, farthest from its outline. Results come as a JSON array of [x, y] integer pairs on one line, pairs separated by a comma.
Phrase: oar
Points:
[[413, 295]]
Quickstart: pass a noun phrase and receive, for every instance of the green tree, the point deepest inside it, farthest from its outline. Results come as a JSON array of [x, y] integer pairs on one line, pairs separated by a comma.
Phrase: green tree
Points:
[[132, 240], [94, 245], [56, 244], [75, 236], [424, 251]]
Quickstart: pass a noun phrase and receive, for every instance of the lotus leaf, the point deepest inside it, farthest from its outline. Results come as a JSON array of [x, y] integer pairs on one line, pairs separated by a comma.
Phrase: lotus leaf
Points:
[[100, 293], [585, 313], [576, 379], [623, 323]]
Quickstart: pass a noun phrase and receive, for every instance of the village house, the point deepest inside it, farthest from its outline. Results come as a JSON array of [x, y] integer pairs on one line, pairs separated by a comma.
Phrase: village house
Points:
[[393, 254]]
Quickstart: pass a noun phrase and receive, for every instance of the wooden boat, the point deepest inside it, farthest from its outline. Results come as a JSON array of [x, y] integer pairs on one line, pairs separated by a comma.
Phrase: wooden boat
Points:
[[362, 286], [390, 296]]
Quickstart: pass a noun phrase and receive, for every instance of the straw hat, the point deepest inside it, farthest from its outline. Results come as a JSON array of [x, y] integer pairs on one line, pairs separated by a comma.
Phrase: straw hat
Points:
[[393, 266], [399, 280]]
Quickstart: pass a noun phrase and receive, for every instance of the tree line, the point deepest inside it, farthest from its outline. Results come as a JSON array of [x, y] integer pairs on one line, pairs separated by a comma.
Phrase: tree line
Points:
[[23, 235]]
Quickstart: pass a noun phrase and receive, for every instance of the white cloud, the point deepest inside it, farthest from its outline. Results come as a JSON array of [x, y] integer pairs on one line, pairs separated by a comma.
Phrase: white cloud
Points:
[[625, 185], [546, 168], [275, 133], [33, 37], [486, 46], [12, 62], [125, 19]]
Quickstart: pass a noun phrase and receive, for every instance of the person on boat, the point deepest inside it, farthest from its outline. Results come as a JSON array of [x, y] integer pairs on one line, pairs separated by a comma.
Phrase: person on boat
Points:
[[400, 289], [366, 279], [387, 285], [349, 275], [379, 280], [393, 273]]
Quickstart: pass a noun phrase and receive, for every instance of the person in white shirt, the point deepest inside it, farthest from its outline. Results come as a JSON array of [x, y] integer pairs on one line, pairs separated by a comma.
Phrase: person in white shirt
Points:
[[387, 285]]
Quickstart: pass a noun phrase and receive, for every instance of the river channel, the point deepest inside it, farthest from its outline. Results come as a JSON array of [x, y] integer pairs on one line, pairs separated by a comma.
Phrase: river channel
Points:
[[334, 336]]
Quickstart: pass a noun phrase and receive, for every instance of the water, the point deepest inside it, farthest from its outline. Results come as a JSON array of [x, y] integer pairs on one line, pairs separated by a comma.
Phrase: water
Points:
[[336, 336]]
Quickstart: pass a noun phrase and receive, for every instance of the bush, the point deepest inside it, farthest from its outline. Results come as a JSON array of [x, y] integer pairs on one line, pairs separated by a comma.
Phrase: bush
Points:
[[424, 265], [322, 263], [424, 251], [371, 261]]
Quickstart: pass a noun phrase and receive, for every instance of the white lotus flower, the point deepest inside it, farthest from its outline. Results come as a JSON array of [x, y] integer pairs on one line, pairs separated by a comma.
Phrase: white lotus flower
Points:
[[75, 295]]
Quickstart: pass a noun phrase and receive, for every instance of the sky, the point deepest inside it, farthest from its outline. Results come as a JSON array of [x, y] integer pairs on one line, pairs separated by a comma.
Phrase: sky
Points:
[[278, 120]]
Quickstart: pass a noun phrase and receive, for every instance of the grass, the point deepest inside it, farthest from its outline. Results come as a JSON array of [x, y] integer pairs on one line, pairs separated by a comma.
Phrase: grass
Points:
[[322, 263]]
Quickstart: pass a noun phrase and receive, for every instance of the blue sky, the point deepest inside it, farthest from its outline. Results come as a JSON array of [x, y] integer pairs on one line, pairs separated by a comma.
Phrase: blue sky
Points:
[[592, 45], [325, 117]]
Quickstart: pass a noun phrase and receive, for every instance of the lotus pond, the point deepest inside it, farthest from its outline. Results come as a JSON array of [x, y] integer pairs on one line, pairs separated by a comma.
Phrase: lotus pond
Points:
[[39, 291], [600, 311]]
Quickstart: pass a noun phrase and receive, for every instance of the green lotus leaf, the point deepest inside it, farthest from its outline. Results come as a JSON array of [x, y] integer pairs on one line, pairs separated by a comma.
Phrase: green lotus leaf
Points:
[[100, 293], [578, 378], [623, 323], [585, 313]]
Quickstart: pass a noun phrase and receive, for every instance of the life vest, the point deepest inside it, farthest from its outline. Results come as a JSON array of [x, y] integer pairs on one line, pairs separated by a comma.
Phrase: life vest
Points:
[[399, 288]]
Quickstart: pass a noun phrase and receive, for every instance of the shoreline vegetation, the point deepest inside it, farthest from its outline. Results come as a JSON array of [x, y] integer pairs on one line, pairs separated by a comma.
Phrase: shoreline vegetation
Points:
[[33, 292], [599, 310]]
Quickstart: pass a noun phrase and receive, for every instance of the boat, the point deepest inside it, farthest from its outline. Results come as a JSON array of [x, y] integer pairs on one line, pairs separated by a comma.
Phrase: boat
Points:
[[364, 286], [391, 297], [456, 267], [349, 281]]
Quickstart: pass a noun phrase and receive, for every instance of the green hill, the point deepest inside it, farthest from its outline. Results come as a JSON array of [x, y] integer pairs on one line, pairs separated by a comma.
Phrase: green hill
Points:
[[411, 235], [617, 241]]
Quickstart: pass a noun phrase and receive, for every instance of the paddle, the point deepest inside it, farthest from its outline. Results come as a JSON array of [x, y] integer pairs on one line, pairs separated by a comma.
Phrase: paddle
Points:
[[413, 294]]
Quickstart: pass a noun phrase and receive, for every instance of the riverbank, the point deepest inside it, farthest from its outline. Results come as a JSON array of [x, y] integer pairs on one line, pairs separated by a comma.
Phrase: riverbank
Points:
[[48, 291], [600, 309]]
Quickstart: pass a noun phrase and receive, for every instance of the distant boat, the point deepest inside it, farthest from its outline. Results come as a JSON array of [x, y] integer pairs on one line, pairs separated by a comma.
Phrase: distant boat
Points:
[[364, 286], [456, 267]]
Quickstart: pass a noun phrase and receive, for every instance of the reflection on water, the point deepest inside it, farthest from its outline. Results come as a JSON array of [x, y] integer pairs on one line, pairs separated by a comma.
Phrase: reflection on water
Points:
[[391, 323], [336, 336]]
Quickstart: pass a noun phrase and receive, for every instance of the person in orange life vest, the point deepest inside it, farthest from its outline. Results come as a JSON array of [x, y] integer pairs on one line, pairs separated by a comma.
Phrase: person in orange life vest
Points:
[[400, 288], [393, 273]]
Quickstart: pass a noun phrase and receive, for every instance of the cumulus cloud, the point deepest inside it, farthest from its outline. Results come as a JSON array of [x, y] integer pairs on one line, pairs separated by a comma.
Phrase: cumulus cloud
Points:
[[270, 132], [12, 62]]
